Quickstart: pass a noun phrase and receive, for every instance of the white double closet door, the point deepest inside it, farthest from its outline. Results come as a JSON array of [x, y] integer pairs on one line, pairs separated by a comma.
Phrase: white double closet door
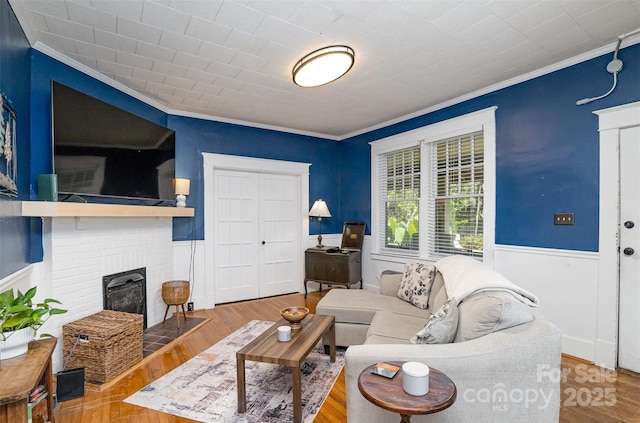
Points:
[[256, 218]]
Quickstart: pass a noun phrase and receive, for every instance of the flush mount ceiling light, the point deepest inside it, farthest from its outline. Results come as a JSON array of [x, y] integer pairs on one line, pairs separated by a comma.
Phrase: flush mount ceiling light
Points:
[[323, 66]]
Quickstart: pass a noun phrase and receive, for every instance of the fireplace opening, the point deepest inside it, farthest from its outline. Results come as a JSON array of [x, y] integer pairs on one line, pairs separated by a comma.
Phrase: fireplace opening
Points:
[[126, 291]]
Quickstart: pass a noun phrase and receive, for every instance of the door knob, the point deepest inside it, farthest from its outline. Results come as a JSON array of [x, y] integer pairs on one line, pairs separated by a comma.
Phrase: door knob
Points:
[[263, 242], [629, 224], [628, 251]]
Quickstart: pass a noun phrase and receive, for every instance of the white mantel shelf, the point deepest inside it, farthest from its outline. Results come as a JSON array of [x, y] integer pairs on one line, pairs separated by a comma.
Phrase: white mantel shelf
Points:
[[61, 209]]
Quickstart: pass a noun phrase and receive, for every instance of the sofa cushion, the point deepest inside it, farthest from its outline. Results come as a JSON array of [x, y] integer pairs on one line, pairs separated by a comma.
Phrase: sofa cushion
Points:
[[393, 328], [441, 327], [360, 305], [415, 285], [490, 311], [438, 295]]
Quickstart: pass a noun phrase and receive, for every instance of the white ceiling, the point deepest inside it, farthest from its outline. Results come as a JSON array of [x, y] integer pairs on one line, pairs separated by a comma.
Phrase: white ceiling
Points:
[[233, 59]]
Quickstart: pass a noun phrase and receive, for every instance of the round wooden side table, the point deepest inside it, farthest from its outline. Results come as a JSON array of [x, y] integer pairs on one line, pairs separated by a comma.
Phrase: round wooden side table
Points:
[[388, 393]]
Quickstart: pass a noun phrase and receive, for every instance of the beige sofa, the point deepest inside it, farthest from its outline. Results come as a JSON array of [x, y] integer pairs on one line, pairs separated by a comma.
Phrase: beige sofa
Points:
[[507, 375]]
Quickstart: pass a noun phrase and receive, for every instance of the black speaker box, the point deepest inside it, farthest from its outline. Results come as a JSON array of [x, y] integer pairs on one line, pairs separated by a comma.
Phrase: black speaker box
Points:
[[69, 384]]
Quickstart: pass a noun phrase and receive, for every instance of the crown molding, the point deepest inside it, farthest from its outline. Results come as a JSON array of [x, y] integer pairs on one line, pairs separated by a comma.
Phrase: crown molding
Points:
[[631, 40]]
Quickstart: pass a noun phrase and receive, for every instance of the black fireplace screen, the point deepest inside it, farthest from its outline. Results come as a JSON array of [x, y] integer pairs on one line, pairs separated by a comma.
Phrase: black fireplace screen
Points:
[[126, 291]]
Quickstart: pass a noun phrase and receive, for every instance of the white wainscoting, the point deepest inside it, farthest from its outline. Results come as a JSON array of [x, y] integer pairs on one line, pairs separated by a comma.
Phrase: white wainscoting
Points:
[[565, 281], [189, 265]]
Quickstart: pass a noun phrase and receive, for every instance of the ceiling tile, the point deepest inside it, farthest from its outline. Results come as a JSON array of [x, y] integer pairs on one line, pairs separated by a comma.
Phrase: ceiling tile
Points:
[[155, 51], [207, 31], [139, 31], [57, 42], [114, 68], [69, 29], [115, 41], [205, 9], [168, 69], [91, 17], [160, 16], [200, 76], [191, 61], [54, 8], [150, 76], [239, 16], [179, 42], [134, 60], [214, 51], [97, 52], [130, 9]]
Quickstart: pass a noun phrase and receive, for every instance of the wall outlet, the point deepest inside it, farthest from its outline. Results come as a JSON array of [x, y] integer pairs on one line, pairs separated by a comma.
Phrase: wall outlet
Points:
[[189, 306], [563, 219]]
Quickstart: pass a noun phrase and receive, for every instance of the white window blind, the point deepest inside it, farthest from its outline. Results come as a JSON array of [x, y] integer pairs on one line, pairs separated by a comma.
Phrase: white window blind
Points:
[[455, 195], [399, 196]]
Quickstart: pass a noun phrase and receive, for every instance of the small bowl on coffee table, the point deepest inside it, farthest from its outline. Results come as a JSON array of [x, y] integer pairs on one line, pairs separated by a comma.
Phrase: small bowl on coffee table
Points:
[[294, 315]]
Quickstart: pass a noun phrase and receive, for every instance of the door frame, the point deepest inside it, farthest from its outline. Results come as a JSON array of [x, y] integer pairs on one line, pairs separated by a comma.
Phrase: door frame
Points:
[[610, 122], [213, 162]]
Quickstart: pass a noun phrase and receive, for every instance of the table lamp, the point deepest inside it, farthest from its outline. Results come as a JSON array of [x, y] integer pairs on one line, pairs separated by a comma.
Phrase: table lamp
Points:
[[181, 189], [319, 210]]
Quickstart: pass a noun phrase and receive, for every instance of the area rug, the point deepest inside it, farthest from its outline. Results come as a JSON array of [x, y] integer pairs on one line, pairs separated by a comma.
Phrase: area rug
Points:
[[204, 388]]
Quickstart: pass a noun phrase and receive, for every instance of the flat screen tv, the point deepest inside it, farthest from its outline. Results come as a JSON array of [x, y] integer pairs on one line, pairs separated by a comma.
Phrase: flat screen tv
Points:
[[102, 150]]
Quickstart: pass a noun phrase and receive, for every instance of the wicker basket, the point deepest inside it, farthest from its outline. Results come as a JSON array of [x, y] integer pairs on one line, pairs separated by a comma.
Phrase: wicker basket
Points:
[[175, 292], [111, 342]]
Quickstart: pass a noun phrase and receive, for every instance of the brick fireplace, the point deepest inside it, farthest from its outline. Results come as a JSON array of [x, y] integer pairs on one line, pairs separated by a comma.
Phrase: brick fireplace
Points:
[[126, 291], [79, 251]]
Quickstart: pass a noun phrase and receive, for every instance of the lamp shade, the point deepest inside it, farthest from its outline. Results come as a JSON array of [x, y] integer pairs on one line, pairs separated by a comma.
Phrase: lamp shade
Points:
[[181, 186], [323, 66], [319, 209]]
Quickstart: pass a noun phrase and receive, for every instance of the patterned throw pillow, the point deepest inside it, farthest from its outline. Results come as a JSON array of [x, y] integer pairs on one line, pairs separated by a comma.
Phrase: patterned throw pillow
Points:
[[415, 285], [441, 327]]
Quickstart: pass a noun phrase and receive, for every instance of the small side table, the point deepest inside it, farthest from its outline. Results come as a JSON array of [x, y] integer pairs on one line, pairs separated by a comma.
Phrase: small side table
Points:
[[388, 393]]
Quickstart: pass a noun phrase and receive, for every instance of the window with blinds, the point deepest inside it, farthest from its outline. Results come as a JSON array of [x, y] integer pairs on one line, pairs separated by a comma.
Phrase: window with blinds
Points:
[[433, 190], [400, 199], [455, 200]]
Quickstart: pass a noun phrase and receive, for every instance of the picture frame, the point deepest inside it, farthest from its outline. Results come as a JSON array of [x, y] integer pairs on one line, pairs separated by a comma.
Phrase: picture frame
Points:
[[8, 152]]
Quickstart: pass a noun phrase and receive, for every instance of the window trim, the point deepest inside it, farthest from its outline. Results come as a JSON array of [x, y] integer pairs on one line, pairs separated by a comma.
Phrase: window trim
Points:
[[481, 120]]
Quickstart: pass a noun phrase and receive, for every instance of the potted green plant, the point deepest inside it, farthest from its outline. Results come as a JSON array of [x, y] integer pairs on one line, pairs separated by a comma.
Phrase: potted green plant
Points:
[[20, 319]]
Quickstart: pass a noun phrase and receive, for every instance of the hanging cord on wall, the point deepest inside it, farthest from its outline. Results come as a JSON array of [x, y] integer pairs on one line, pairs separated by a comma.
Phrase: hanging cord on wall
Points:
[[192, 256], [614, 66], [66, 362]]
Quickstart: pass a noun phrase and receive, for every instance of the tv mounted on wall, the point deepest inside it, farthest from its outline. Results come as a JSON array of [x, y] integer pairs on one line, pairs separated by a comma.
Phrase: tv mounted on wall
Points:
[[102, 150]]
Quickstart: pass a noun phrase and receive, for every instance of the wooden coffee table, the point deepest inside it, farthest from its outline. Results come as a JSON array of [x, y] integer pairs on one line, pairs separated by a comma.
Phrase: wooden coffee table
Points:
[[388, 393], [267, 349]]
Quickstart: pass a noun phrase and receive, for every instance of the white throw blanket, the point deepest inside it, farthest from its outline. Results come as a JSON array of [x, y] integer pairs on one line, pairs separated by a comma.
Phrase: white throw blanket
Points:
[[464, 276]]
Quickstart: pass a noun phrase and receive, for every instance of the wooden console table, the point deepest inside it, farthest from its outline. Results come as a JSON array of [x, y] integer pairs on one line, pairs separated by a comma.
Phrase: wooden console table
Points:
[[19, 376], [328, 268]]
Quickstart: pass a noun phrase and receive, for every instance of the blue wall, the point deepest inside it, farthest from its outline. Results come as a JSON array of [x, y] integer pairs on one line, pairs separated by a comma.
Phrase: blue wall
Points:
[[547, 152], [15, 85], [195, 136]]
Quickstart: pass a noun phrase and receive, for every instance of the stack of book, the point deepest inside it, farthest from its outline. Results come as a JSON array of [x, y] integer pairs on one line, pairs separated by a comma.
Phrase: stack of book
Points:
[[37, 408]]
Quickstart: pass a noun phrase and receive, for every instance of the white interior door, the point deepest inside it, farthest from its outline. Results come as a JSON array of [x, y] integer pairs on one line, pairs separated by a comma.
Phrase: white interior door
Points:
[[236, 236], [279, 227], [629, 320], [256, 243]]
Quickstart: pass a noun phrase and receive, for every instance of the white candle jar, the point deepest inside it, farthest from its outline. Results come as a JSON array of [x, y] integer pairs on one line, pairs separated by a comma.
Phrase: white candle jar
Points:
[[415, 378], [284, 333]]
